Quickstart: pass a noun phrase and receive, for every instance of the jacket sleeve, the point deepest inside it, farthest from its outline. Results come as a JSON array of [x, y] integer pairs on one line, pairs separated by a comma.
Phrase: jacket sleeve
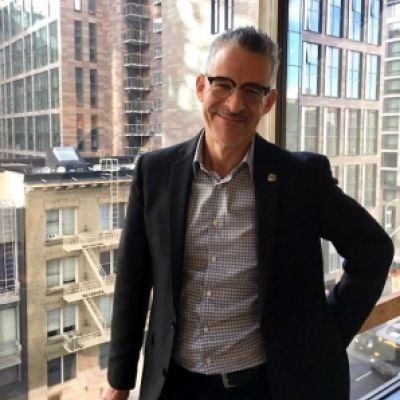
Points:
[[132, 291], [365, 247]]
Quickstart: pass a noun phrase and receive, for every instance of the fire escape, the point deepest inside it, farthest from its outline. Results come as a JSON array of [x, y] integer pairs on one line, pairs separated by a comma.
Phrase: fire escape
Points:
[[137, 84], [88, 291], [10, 347]]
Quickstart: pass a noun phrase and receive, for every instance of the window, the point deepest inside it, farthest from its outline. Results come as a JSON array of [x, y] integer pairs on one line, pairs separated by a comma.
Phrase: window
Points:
[[18, 93], [54, 88], [332, 72], [353, 132], [389, 178], [78, 40], [28, 53], [104, 351], [112, 217], [60, 271], [312, 15], [39, 50], [92, 42], [394, 30], [157, 52], [310, 129], [61, 320], [214, 16], [42, 133], [8, 328], [108, 261], [390, 142], [353, 75], [372, 77], [79, 86], [391, 123], [356, 19], [94, 133], [335, 15], [105, 306], [92, 6], [60, 222], [389, 160], [370, 185], [17, 59], [393, 68], [80, 139], [392, 86], [19, 130], [370, 132], [310, 68], [53, 32], [157, 79], [55, 130], [228, 14], [41, 84], [332, 126], [157, 104], [77, 5], [61, 369], [93, 88], [374, 23], [393, 49], [351, 180], [391, 105]]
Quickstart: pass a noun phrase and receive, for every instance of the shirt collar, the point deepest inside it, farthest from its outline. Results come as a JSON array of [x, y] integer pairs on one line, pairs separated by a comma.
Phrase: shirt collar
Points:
[[197, 163]]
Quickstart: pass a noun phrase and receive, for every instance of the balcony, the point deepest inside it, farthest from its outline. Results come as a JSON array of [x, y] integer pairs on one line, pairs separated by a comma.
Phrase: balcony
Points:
[[137, 130], [10, 354], [86, 240], [135, 36], [137, 84], [134, 11], [138, 107], [75, 341], [77, 291], [136, 60], [9, 292]]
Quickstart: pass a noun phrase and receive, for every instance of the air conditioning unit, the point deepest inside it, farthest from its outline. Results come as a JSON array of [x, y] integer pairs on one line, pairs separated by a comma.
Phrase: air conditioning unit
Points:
[[51, 236]]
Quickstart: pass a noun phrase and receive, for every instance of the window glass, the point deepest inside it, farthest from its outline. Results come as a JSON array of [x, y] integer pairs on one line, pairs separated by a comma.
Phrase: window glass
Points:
[[332, 72], [334, 20], [310, 68]]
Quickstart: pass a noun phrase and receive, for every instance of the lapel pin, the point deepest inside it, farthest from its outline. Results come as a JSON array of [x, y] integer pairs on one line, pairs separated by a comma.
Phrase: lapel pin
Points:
[[272, 178]]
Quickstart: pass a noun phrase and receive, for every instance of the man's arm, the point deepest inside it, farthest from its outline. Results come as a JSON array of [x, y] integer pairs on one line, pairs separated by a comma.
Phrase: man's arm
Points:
[[365, 247], [132, 291]]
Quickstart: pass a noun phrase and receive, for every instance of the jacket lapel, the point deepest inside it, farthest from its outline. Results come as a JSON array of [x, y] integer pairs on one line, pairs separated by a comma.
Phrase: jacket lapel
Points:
[[266, 181], [180, 186]]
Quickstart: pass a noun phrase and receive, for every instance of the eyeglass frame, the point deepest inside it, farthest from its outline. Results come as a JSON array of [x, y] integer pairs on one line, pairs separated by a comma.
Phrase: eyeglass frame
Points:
[[265, 89]]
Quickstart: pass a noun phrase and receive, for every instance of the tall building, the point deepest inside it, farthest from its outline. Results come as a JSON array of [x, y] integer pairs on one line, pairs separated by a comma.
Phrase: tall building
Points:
[[79, 73], [72, 224], [334, 94]]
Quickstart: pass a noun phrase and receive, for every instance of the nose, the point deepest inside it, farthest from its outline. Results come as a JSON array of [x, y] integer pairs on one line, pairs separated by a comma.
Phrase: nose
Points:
[[235, 102]]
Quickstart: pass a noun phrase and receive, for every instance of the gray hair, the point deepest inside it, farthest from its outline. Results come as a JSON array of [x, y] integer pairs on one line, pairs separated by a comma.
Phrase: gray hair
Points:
[[250, 39]]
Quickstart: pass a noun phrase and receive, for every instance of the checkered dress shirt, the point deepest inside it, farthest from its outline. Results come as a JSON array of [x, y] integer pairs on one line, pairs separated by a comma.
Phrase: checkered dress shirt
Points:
[[219, 326]]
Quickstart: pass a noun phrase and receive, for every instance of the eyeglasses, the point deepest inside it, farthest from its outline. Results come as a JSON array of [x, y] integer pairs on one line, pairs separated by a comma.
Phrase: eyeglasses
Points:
[[222, 88]]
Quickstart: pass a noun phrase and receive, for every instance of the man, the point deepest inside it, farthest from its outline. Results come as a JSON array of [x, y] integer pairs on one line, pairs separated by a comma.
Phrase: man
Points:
[[225, 229]]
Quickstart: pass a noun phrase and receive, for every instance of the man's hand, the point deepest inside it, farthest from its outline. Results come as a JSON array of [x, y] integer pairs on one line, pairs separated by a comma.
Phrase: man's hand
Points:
[[115, 394]]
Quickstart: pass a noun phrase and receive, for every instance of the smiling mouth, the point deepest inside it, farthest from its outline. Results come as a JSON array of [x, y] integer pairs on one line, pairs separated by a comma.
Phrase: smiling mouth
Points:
[[232, 119]]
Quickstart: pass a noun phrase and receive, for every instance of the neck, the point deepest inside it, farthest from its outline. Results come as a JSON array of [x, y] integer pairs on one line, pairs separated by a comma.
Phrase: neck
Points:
[[222, 159]]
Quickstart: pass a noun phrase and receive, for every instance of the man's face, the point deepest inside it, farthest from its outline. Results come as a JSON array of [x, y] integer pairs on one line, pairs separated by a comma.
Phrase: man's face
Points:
[[232, 121]]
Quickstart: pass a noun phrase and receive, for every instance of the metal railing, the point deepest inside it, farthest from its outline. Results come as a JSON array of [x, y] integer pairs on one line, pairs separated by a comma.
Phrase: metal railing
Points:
[[136, 10], [136, 36], [137, 130], [9, 291], [96, 239], [75, 341], [137, 106], [137, 83], [136, 59]]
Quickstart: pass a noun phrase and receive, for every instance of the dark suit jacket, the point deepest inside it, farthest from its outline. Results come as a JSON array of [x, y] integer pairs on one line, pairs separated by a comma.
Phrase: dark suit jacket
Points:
[[305, 333]]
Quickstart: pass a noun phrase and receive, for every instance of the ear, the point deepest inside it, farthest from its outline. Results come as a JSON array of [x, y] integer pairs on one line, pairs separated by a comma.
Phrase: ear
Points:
[[200, 83], [270, 100]]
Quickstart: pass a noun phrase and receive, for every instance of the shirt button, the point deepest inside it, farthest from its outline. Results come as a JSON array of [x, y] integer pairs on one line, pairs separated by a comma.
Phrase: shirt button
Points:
[[209, 293], [205, 329], [213, 258], [208, 360], [215, 222]]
